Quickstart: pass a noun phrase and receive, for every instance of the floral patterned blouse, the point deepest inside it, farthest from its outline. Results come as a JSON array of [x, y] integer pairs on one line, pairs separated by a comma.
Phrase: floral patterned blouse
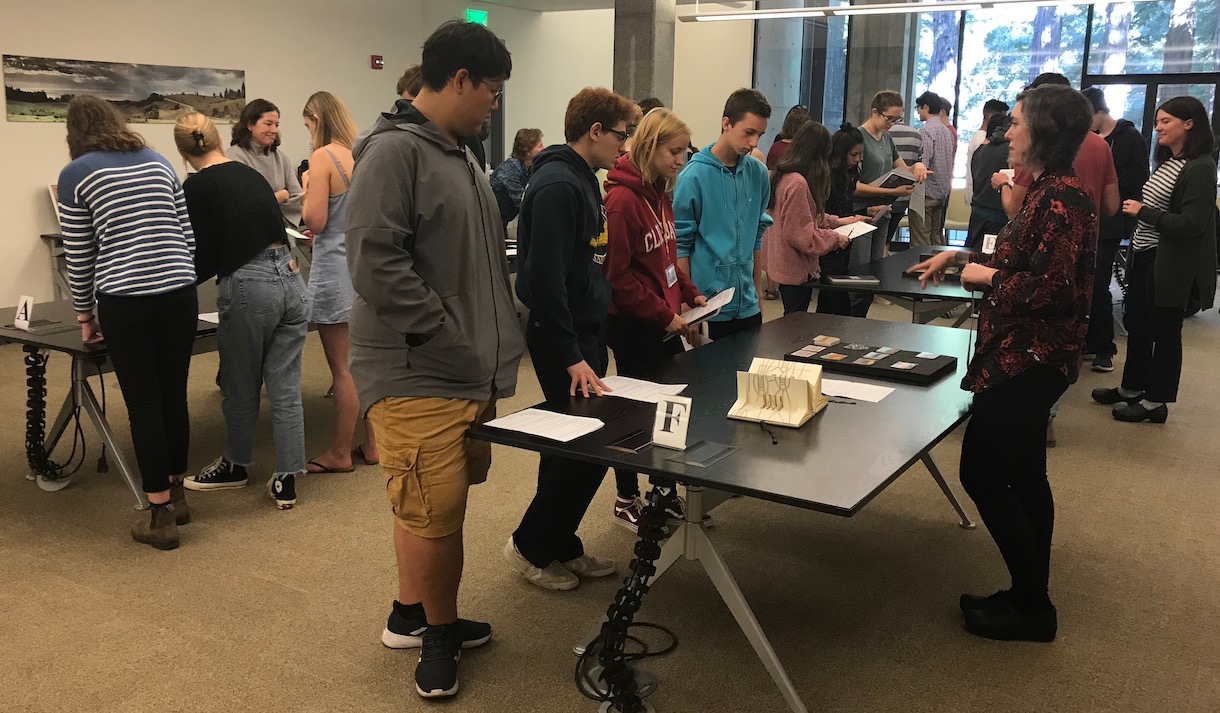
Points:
[[1037, 311]]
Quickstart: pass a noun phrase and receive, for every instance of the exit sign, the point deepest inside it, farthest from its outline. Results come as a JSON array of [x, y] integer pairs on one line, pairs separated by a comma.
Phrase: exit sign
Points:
[[478, 17]]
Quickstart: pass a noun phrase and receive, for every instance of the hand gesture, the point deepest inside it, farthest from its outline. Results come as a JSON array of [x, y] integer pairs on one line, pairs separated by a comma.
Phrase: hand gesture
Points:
[[1132, 208], [999, 178], [933, 268], [584, 377], [921, 172], [976, 277]]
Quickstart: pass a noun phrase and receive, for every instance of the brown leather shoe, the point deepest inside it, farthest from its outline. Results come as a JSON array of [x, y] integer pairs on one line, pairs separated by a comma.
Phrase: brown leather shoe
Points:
[[160, 530], [177, 497]]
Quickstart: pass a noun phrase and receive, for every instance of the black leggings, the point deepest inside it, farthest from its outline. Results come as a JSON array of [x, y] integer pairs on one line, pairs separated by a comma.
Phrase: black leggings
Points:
[[1003, 470], [1154, 335], [637, 347], [149, 340]]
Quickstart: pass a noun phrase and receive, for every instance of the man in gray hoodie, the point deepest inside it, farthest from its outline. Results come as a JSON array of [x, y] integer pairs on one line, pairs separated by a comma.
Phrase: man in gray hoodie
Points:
[[434, 333]]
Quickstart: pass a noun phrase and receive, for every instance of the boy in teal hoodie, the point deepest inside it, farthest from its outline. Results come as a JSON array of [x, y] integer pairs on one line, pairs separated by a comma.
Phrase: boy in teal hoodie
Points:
[[720, 204]]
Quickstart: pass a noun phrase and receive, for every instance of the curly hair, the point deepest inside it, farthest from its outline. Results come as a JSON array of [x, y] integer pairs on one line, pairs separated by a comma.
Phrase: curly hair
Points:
[[597, 106], [96, 125]]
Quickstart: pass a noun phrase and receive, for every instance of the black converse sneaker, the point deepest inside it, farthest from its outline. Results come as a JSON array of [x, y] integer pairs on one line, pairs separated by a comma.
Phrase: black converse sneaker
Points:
[[283, 488], [436, 672], [405, 628], [221, 474]]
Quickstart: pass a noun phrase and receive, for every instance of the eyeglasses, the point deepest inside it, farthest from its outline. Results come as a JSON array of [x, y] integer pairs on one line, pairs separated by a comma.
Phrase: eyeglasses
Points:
[[622, 135], [891, 119], [497, 95]]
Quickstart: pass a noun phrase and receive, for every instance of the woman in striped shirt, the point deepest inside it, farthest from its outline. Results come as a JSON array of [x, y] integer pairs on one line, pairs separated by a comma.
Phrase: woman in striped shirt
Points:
[[1173, 257], [130, 250]]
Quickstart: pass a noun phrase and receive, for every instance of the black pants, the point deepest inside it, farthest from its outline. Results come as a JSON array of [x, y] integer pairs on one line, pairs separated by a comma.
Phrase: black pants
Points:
[[835, 301], [547, 532], [979, 227], [796, 298], [1003, 469], [720, 330], [1154, 335], [637, 348], [897, 213], [1100, 339], [149, 340]]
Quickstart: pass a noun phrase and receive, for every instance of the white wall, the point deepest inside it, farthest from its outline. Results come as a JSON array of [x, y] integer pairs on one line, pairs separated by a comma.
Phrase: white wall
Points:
[[271, 43], [711, 60], [554, 55]]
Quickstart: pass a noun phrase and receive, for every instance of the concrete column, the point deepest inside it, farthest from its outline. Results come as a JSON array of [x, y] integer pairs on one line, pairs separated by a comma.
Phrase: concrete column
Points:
[[644, 49], [778, 65], [882, 57]]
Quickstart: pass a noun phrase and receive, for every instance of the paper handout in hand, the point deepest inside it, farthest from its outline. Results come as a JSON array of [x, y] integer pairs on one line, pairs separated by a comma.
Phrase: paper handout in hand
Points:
[[855, 230]]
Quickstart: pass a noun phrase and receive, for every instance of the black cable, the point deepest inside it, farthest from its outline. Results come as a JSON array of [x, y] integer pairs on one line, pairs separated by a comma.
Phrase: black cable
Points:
[[36, 422], [102, 465], [774, 440], [610, 644]]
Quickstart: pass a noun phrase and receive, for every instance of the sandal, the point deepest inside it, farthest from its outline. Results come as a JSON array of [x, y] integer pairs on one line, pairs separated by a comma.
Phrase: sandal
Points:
[[358, 452], [771, 294], [324, 469]]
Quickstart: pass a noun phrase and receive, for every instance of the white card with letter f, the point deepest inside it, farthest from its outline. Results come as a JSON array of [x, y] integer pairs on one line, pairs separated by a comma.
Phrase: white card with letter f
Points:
[[673, 418], [25, 312]]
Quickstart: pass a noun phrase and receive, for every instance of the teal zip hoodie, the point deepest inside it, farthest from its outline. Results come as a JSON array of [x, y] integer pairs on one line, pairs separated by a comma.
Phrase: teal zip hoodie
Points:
[[720, 215]]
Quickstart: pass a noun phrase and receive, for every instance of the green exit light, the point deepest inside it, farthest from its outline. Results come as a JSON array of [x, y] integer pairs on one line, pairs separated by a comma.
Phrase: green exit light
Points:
[[478, 17]]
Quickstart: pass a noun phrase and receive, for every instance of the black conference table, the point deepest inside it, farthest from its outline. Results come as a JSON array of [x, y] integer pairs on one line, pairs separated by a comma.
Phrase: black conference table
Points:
[[904, 290], [62, 335], [827, 465]]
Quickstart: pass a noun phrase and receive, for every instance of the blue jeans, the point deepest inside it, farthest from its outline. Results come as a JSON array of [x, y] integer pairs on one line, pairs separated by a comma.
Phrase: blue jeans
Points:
[[263, 321]]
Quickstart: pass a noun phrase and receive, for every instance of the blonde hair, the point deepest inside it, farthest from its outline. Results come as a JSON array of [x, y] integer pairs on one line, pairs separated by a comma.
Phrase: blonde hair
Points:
[[196, 135], [334, 121], [659, 127]]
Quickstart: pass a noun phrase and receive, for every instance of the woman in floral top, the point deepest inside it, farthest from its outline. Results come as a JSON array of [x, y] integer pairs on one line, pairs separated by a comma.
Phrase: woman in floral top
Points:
[[1032, 322]]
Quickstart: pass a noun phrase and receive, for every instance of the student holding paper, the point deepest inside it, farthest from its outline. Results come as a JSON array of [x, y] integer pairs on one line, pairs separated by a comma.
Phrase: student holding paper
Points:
[[647, 288], [803, 231], [880, 157], [562, 238]]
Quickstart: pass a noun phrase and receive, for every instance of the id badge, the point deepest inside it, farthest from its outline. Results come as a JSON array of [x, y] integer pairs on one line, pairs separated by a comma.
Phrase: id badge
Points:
[[671, 276]]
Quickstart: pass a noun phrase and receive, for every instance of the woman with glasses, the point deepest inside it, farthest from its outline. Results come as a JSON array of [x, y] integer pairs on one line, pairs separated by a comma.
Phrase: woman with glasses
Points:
[[880, 156]]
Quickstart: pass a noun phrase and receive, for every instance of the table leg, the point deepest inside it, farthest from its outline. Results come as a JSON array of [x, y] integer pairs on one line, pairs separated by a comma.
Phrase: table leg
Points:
[[964, 519], [88, 402], [723, 580], [60, 425]]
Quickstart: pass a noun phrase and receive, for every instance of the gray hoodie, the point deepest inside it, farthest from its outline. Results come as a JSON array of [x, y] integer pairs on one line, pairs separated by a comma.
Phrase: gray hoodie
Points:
[[433, 315]]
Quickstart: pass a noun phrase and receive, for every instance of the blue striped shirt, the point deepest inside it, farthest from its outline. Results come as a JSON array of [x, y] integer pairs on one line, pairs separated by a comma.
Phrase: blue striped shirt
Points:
[[125, 226]]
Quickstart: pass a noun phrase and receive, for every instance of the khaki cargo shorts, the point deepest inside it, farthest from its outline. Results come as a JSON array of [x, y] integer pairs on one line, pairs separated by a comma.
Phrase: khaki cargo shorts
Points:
[[428, 462]]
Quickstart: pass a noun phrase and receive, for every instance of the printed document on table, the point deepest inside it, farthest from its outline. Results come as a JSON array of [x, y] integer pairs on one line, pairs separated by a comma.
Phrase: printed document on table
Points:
[[855, 230], [698, 314], [855, 390], [548, 424], [210, 317], [639, 390]]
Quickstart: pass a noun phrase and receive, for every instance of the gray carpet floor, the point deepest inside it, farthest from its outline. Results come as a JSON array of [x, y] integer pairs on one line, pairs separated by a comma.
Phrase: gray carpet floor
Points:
[[262, 610]]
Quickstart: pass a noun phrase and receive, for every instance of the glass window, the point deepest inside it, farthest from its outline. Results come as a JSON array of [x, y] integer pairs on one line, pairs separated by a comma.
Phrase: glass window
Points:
[[1156, 38], [1126, 101]]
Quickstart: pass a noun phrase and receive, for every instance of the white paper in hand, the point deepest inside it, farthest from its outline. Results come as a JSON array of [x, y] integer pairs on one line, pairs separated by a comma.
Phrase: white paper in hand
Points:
[[855, 230], [709, 310]]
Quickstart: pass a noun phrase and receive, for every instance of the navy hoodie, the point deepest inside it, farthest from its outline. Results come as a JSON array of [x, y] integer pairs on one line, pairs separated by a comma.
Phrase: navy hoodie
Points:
[[561, 237]]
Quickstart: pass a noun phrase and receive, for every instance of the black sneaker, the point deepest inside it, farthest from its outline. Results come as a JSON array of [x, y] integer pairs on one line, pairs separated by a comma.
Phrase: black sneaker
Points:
[[283, 488], [221, 474], [1103, 363], [436, 673], [405, 628]]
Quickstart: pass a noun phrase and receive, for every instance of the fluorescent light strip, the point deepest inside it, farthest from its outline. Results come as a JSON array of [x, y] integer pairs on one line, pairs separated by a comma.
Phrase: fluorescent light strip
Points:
[[883, 9]]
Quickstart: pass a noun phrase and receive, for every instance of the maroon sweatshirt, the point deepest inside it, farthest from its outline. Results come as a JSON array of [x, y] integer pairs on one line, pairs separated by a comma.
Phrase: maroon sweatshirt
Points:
[[643, 243]]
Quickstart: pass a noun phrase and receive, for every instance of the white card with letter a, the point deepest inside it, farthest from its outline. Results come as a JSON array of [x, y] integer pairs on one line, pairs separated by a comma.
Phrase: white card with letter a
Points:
[[673, 418], [25, 312]]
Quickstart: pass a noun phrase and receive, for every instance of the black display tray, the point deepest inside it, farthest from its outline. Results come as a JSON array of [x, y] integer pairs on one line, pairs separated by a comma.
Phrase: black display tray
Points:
[[926, 371]]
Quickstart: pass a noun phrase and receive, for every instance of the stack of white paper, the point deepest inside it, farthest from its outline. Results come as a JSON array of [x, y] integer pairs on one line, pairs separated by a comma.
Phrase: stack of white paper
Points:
[[639, 390], [548, 424], [698, 314]]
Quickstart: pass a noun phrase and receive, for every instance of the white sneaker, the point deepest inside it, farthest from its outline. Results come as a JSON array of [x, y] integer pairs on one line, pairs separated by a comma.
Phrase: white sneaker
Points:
[[553, 576], [589, 566]]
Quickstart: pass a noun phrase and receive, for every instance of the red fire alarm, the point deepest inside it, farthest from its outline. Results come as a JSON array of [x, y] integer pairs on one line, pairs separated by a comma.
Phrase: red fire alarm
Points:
[[378, 62]]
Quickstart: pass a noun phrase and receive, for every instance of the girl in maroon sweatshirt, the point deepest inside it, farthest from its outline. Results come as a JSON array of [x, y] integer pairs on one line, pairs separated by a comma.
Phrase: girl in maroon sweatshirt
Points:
[[648, 290]]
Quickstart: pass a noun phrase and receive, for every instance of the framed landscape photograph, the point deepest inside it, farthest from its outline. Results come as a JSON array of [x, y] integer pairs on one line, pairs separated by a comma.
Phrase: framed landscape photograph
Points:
[[39, 89]]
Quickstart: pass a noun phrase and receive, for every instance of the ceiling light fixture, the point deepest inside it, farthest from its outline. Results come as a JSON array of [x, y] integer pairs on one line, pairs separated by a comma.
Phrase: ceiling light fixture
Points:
[[893, 8]]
